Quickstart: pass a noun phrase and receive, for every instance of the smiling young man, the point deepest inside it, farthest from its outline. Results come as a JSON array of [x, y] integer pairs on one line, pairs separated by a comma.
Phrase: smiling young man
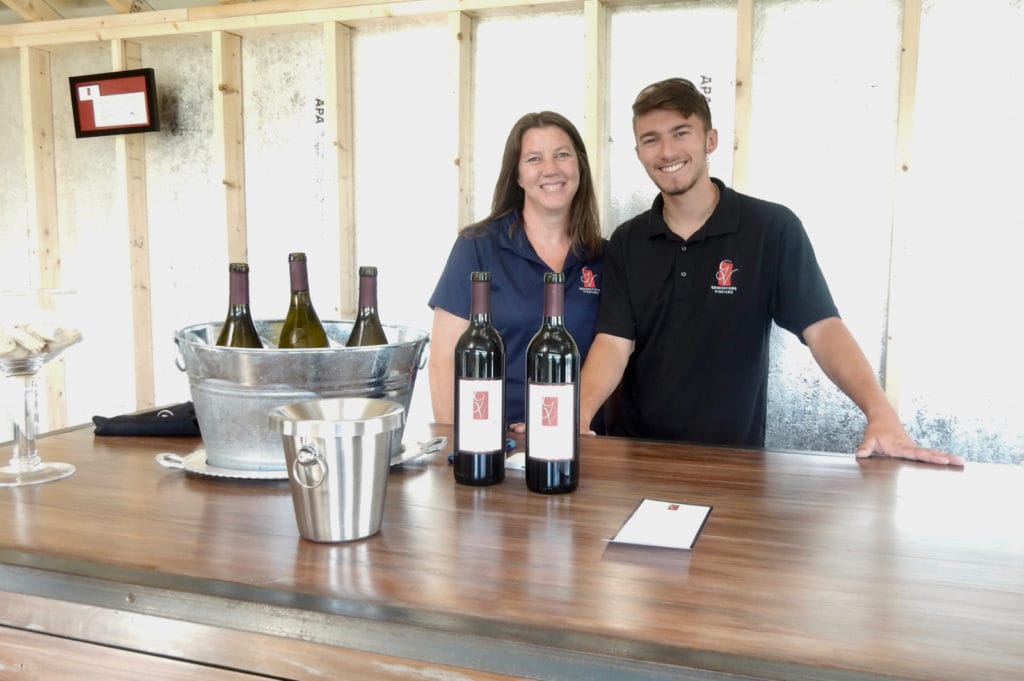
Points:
[[691, 289]]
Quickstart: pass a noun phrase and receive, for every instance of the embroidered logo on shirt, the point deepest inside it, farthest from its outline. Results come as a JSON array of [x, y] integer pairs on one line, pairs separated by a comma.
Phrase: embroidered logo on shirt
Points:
[[723, 278], [589, 281]]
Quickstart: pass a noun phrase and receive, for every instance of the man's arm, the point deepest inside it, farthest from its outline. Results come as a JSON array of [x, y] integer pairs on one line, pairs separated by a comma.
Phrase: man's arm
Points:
[[601, 373], [444, 334], [837, 353]]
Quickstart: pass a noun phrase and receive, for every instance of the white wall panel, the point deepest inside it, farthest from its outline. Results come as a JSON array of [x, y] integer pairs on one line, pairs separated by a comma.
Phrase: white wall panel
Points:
[[188, 243], [959, 285], [696, 41], [93, 249], [822, 142], [521, 65], [287, 176], [405, 177]]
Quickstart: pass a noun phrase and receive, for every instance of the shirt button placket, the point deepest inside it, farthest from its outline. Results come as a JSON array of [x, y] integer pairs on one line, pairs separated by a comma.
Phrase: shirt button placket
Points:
[[684, 282]]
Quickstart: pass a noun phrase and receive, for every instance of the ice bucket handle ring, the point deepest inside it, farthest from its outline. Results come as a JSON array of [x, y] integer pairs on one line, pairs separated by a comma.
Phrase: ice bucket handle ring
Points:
[[179, 359], [308, 457]]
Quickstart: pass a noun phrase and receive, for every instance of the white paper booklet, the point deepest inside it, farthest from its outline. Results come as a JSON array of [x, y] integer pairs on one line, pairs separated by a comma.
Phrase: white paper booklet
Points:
[[663, 523]]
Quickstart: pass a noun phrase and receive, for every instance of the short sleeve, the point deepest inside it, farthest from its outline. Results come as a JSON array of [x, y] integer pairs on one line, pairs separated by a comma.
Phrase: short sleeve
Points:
[[802, 296], [616, 316], [452, 291]]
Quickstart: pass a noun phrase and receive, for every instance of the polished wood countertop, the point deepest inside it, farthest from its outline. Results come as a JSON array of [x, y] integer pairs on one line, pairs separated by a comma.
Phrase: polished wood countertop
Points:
[[809, 567]]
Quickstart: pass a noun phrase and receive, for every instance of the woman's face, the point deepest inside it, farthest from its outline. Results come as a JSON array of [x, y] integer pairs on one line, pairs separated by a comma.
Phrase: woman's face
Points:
[[549, 170]]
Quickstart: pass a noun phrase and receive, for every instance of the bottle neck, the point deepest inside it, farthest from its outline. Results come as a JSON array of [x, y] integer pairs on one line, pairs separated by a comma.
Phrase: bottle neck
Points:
[[299, 276], [239, 290], [367, 292], [480, 302], [554, 304]]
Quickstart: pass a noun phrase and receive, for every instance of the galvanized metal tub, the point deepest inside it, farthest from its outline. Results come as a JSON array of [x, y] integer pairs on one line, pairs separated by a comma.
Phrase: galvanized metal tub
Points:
[[234, 389]]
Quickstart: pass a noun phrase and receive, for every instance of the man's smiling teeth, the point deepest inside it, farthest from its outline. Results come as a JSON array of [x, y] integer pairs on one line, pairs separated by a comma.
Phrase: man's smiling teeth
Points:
[[672, 168]]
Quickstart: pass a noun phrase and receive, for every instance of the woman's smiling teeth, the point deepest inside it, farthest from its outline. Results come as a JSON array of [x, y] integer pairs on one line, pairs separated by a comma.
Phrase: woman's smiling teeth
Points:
[[557, 186]]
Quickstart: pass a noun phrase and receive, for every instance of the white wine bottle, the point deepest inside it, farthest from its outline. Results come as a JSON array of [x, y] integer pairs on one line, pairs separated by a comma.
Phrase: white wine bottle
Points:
[[367, 329], [302, 327], [552, 398], [238, 330], [479, 393]]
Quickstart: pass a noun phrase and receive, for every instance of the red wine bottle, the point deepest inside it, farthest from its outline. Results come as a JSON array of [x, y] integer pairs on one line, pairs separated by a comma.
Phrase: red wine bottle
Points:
[[238, 330], [552, 398], [479, 393]]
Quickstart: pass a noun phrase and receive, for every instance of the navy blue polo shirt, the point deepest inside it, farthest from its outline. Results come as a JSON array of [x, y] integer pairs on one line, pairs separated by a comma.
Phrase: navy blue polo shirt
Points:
[[517, 296], [700, 313]]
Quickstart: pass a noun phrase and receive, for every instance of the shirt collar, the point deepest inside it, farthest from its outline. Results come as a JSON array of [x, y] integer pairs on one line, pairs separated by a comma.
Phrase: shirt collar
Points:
[[517, 242], [724, 220]]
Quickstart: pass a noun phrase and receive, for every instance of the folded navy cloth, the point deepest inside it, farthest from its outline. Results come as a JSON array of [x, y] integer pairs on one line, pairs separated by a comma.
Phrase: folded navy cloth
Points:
[[177, 420]]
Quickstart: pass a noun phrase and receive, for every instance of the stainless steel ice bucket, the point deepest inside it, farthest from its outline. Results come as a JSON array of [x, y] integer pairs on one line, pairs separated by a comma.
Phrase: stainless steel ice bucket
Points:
[[338, 454], [234, 389]]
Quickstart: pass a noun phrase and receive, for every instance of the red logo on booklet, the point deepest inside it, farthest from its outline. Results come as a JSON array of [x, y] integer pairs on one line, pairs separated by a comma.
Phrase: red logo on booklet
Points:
[[549, 411], [480, 405]]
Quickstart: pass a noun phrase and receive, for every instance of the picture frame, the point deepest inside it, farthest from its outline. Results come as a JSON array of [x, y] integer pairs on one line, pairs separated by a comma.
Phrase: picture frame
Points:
[[115, 103]]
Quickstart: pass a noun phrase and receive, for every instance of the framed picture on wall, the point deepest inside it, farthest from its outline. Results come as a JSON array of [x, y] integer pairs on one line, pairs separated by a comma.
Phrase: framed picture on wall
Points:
[[114, 103]]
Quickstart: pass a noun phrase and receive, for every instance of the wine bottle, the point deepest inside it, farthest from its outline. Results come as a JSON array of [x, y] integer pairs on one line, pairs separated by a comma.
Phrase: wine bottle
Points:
[[479, 393], [367, 329], [302, 327], [552, 398], [238, 330]]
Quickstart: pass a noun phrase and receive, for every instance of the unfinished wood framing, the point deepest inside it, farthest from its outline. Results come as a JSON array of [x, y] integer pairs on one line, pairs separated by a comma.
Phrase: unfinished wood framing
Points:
[[32, 10], [904, 139], [338, 118], [595, 94], [460, 27], [130, 152], [37, 118], [229, 137], [130, 6], [744, 82]]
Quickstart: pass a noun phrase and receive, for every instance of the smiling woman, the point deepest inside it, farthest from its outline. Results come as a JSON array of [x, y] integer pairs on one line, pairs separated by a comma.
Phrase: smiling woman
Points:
[[543, 219]]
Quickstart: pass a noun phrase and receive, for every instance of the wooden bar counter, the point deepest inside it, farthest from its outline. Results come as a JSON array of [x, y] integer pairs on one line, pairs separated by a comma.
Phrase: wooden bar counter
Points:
[[809, 567]]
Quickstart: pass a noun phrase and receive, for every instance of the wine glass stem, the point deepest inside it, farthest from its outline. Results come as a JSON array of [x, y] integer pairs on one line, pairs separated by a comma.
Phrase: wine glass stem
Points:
[[25, 428]]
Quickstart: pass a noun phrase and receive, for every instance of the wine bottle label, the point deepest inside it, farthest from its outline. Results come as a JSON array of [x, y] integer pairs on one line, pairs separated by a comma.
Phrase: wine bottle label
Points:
[[552, 421], [481, 416]]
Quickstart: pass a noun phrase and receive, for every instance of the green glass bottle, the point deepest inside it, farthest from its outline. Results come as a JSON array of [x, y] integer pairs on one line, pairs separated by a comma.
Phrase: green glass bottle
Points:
[[238, 330], [302, 327], [367, 329]]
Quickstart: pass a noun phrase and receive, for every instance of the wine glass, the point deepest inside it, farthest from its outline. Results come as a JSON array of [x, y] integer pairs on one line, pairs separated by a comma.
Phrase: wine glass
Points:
[[30, 336]]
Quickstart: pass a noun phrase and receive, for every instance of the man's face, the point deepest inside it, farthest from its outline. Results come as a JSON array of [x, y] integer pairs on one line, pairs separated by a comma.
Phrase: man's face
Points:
[[673, 149]]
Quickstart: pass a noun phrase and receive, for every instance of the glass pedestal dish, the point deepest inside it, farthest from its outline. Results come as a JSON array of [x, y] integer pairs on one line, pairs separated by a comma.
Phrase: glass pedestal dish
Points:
[[20, 370]]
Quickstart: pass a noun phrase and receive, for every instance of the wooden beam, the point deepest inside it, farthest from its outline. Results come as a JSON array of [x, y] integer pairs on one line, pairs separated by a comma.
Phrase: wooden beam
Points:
[[254, 17], [901, 196], [130, 6], [37, 131], [338, 117], [33, 10], [130, 156], [744, 81], [229, 137], [460, 60], [595, 94]]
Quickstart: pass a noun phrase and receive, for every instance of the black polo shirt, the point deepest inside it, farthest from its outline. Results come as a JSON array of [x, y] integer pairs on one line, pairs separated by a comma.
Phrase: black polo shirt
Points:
[[700, 312]]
